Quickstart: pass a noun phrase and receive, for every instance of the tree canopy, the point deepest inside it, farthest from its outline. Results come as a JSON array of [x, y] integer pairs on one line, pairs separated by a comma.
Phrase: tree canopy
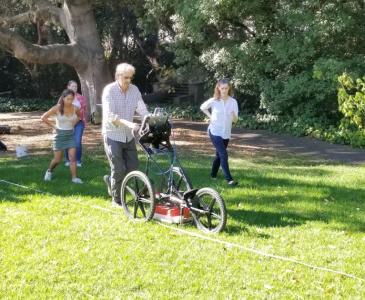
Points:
[[284, 57]]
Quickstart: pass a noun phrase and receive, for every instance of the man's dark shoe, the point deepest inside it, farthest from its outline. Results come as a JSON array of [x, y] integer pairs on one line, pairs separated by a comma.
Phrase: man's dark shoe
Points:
[[106, 179], [213, 177], [232, 183], [117, 203]]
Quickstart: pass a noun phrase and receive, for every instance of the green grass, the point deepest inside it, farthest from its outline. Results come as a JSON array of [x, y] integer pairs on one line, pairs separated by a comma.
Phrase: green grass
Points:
[[70, 243]]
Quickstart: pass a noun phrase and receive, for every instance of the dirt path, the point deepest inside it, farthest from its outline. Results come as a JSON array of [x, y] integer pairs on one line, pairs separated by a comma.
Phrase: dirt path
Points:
[[28, 130], [261, 140]]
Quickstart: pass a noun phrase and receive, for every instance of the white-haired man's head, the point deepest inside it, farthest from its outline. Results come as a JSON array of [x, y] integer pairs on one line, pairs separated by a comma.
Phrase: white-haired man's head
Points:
[[123, 74], [124, 68]]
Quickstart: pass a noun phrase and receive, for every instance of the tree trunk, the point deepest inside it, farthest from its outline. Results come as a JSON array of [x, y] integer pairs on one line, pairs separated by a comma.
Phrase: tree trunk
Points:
[[84, 52], [93, 79], [92, 69]]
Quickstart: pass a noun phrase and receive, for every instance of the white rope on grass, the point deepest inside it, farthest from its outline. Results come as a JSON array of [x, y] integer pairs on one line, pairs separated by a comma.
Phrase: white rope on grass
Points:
[[261, 253], [208, 238], [22, 186]]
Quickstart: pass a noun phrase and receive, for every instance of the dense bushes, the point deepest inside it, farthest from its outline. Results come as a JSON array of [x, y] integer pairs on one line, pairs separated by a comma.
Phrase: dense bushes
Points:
[[303, 124], [351, 99], [321, 128], [317, 128], [23, 105], [285, 56]]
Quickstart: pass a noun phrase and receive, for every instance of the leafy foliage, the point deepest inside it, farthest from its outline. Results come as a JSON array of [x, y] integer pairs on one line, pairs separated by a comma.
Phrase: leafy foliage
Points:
[[306, 125], [351, 99], [283, 57], [187, 112], [23, 105]]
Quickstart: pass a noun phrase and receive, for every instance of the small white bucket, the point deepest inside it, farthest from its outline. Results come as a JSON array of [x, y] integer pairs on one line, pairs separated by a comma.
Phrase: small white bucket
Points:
[[21, 151]]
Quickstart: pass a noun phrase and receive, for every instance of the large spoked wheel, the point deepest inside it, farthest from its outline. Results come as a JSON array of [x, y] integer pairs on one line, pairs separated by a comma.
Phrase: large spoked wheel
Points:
[[137, 196], [180, 182], [209, 211]]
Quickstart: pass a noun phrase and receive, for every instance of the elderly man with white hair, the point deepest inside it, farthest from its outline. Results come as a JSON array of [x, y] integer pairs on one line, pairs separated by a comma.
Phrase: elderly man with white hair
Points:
[[120, 101]]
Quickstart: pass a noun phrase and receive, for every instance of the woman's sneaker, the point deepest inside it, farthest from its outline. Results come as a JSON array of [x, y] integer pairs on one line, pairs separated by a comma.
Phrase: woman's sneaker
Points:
[[48, 176], [232, 183], [77, 180]]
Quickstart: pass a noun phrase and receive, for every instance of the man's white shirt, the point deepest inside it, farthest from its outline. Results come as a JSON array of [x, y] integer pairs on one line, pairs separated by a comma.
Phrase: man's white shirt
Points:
[[124, 106]]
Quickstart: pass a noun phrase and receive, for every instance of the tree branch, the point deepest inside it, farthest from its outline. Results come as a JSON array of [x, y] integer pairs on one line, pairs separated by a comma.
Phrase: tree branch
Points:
[[45, 12], [42, 3], [236, 23], [53, 14], [76, 2], [241, 25], [24, 50], [18, 19]]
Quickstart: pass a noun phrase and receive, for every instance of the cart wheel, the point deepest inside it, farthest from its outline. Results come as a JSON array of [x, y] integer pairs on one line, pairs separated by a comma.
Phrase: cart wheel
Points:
[[137, 196], [180, 181], [209, 211]]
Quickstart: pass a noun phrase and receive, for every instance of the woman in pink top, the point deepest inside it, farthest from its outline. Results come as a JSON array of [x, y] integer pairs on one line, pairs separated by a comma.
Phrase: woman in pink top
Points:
[[81, 103]]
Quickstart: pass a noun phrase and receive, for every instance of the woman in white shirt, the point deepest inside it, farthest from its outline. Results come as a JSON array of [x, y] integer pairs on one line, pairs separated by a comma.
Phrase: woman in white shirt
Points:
[[66, 117], [222, 111]]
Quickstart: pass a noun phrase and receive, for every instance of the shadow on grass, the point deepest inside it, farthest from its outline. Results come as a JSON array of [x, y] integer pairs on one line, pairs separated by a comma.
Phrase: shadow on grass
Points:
[[267, 219], [240, 220], [11, 196], [29, 172], [337, 204]]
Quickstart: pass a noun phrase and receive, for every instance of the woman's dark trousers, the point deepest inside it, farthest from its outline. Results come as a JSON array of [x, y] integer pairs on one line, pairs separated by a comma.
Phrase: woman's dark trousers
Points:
[[221, 157]]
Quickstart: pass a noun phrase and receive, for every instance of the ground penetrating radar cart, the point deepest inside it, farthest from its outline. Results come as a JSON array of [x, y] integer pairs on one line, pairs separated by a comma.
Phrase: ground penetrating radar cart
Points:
[[174, 199]]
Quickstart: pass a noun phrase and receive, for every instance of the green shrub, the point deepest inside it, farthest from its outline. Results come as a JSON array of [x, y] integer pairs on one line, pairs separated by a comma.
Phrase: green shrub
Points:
[[188, 112], [351, 100], [318, 128], [23, 105]]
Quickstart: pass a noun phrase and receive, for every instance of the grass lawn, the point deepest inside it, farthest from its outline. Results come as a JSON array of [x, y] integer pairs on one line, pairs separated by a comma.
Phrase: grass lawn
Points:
[[70, 243]]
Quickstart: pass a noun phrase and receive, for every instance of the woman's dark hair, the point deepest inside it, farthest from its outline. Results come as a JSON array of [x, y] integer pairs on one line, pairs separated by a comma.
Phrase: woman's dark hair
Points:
[[71, 81], [61, 102]]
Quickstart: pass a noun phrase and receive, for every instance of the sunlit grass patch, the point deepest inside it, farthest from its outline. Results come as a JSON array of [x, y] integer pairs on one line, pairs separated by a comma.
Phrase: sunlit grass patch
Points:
[[69, 241]]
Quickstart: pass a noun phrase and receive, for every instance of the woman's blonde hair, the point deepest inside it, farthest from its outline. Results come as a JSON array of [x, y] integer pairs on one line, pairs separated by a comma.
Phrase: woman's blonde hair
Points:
[[217, 93]]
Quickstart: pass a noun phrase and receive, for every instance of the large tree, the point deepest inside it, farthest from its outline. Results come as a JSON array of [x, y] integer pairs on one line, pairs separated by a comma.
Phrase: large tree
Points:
[[83, 52]]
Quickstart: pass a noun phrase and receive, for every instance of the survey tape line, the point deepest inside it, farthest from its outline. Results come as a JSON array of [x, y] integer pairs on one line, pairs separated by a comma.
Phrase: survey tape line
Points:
[[258, 252], [22, 186], [207, 238]]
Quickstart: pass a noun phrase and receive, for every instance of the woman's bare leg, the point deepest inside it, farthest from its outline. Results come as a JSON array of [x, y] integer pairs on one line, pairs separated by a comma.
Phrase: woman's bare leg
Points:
[[56, 160], [72, 157]]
